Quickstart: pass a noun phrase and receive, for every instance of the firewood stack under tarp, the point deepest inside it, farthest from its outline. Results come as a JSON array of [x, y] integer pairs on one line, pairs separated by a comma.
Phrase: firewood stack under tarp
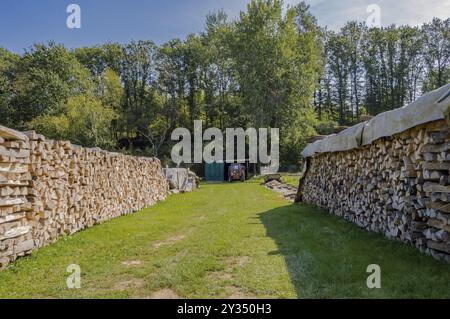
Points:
[[53, 188], [397, 184]]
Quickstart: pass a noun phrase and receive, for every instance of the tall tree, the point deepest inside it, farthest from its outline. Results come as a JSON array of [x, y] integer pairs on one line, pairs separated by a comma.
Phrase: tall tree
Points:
[[276, 62], [339, 64], [353, 33], [138, 77], [8, 65], [218, 77], [47, 76], [436, 37]]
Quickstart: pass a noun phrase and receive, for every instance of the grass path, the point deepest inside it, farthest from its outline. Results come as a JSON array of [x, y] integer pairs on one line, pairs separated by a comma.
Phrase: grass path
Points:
[[235, 240], [291, 179]]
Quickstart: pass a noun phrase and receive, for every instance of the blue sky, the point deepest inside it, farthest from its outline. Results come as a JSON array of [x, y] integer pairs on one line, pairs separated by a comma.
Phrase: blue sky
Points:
[[24, 22]]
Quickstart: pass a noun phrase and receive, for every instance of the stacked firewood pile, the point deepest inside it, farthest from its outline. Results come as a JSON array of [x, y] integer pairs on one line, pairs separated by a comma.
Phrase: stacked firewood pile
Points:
[[398, 185], [16, 236], [51, 188]]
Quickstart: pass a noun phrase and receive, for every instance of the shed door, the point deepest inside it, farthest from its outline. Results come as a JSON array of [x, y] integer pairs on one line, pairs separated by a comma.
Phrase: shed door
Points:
[[214, 172]]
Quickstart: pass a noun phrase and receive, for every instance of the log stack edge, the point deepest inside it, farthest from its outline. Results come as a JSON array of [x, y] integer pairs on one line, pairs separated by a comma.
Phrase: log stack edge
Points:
[[53, 188], [397, 185]]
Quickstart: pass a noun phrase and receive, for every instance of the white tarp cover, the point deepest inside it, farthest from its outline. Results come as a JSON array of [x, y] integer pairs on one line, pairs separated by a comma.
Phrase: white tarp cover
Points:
[[346, 140], [430, 107], [310, 149], [423, 110]]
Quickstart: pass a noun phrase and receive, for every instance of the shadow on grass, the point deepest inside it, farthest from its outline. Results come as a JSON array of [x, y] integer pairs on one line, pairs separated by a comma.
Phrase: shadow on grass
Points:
[[327, 257]]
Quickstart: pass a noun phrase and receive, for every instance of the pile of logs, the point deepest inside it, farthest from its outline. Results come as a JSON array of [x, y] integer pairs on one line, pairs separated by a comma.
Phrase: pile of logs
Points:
[[287, 191], [181, 180], [52, 188], [16, 237], [398, 185]]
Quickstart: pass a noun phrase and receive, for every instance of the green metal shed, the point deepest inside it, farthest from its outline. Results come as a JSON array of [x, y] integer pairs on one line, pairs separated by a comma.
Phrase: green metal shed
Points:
[[214, 172]]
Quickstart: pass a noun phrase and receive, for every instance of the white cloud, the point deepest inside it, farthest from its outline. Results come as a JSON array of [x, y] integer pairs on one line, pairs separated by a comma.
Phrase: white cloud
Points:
[[335, 13]]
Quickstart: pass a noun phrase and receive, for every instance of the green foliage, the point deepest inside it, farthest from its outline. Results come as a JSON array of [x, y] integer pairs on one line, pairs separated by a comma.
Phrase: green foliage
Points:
[[436, 40], [83, 120], [52, 126], [47, 76], [138, 76], [381, 68], [8, 63], [100, 58], [271, 67], [276, 61], [110, 90], [326, 126], [294, 135]]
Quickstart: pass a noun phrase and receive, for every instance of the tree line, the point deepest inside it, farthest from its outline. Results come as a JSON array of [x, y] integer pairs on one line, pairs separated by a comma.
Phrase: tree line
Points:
[[372, 70], [270, 67]]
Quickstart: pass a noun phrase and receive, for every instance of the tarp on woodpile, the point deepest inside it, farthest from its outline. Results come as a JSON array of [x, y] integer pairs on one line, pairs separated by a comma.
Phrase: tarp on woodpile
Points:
[[428, 108], [346, 140]]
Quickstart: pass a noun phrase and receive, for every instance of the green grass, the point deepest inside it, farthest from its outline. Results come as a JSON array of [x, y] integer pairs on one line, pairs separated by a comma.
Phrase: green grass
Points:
[[290, 179], [238, 240]]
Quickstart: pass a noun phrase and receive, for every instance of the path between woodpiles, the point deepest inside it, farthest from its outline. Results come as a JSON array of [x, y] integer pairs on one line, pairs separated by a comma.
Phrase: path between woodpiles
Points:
[[230, 240]]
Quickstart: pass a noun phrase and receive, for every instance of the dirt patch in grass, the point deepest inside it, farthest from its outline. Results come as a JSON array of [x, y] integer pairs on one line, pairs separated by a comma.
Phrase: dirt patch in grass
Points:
[[179, 256], [237, 262], [235, 292], [165, 293], [130, 284], [231, 264], [131, 263], [169, 241], [287, 191], [220, 276]]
